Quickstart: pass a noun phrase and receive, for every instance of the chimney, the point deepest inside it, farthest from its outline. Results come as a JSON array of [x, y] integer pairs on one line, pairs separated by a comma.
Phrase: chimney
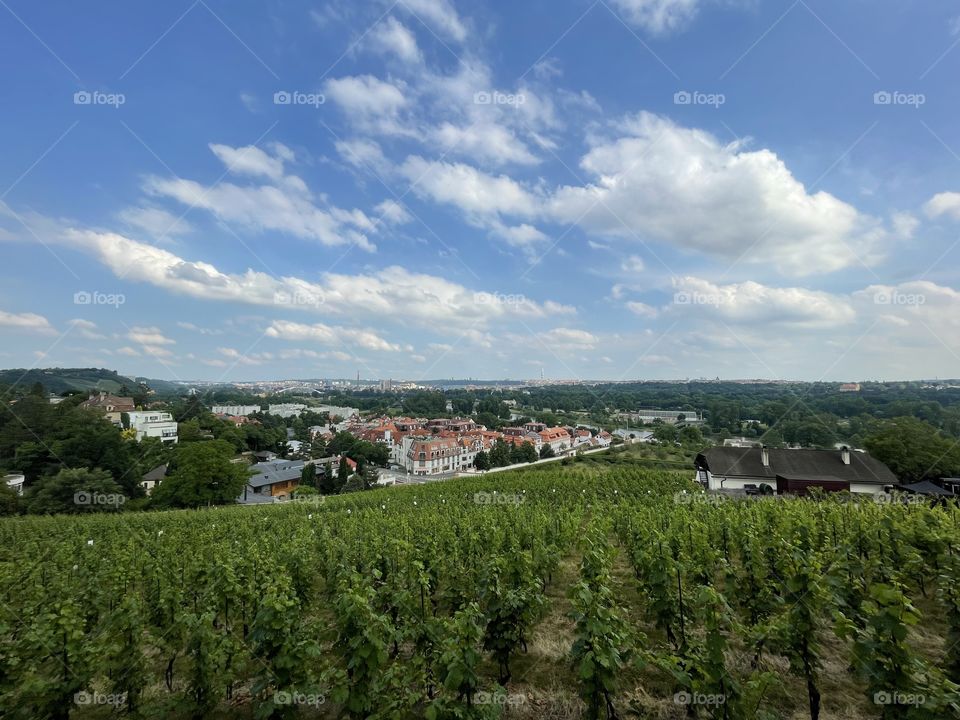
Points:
[[845, 455], [765, 456]]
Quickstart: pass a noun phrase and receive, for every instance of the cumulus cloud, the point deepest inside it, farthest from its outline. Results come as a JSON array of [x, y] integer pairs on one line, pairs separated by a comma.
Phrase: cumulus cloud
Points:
[[945, 203], [439, 15], [659, 16], [328, 335], [753, 303], [86, 329], [30, 322], [684, 187], [393, 37], [149, 336], [283, 204], [155, 222]]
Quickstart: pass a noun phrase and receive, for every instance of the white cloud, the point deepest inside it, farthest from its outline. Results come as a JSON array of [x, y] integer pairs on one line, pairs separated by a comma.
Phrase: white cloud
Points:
[[327, 334], [439, 15], [393, 213], [156, 222], [659, 16], [683, 187], [755, 304], [568, 339], [392, 36], [368, 101], [128, 351], [632, 264], [86, 329], [249, 160], [945, 203], [642, 309], [285, 204], [197, 329], [30, 322], [473, 191], [149, 336]]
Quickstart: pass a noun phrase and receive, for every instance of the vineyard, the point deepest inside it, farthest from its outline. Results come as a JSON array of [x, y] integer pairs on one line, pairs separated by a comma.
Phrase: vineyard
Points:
[[571, 592]]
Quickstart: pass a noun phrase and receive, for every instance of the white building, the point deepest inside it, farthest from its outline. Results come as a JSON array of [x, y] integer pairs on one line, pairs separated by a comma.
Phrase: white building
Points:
[[286, 410], [337, 411], [152, 423], [237, 410], [15, 482]]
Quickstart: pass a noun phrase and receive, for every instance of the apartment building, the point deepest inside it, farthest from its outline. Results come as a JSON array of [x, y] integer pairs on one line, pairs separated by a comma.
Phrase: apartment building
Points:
[[153, 423]]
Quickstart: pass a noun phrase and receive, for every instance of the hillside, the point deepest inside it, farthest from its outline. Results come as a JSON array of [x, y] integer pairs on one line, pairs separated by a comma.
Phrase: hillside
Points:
[[60, 380], [582, 591]]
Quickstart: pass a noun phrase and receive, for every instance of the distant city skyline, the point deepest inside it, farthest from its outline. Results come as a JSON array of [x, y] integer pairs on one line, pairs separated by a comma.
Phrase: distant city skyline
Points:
[[647, 189]]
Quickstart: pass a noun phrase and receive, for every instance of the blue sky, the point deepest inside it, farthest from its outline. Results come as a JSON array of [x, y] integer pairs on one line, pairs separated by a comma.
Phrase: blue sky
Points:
[[615, 189]]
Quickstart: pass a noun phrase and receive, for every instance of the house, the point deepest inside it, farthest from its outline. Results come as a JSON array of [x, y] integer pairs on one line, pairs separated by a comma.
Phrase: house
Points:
[[15, 482], [276, 479], [153, 423], [236, 410], [631, 435], [850, 387], [557, 438], [603, 439], [742, 442], [792, 471], [153, 478], [264, 456], [111, 406], [286, 410], [432, 456], [581, 436], [535, 427]]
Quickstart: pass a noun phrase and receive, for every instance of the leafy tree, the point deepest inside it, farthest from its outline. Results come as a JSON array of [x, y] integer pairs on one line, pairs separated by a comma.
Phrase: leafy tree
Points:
[[328, 481], [482, 461], [75, 491], [202, 474], [308, 476], [546, 451], [914, 449]]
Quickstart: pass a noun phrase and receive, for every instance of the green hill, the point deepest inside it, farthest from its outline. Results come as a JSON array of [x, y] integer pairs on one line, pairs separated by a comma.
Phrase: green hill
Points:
[[60, 380]]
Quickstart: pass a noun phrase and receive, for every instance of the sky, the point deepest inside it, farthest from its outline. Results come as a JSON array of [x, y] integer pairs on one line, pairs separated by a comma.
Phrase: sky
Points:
[[421, 189]]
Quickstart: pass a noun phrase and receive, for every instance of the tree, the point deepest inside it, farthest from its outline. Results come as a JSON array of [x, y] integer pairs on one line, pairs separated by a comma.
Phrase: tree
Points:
[[328, 482], [500, 454], [202, 474], [690, 435], [308, 476], [343, 473], [482, 461], [547, 451], [9, 500], [913, 449], [75, 491], [665, 434]]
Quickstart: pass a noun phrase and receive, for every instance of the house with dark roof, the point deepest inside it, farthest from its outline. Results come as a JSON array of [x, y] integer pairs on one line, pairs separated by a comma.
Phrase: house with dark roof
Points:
[[793, 471], [275, 480]]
